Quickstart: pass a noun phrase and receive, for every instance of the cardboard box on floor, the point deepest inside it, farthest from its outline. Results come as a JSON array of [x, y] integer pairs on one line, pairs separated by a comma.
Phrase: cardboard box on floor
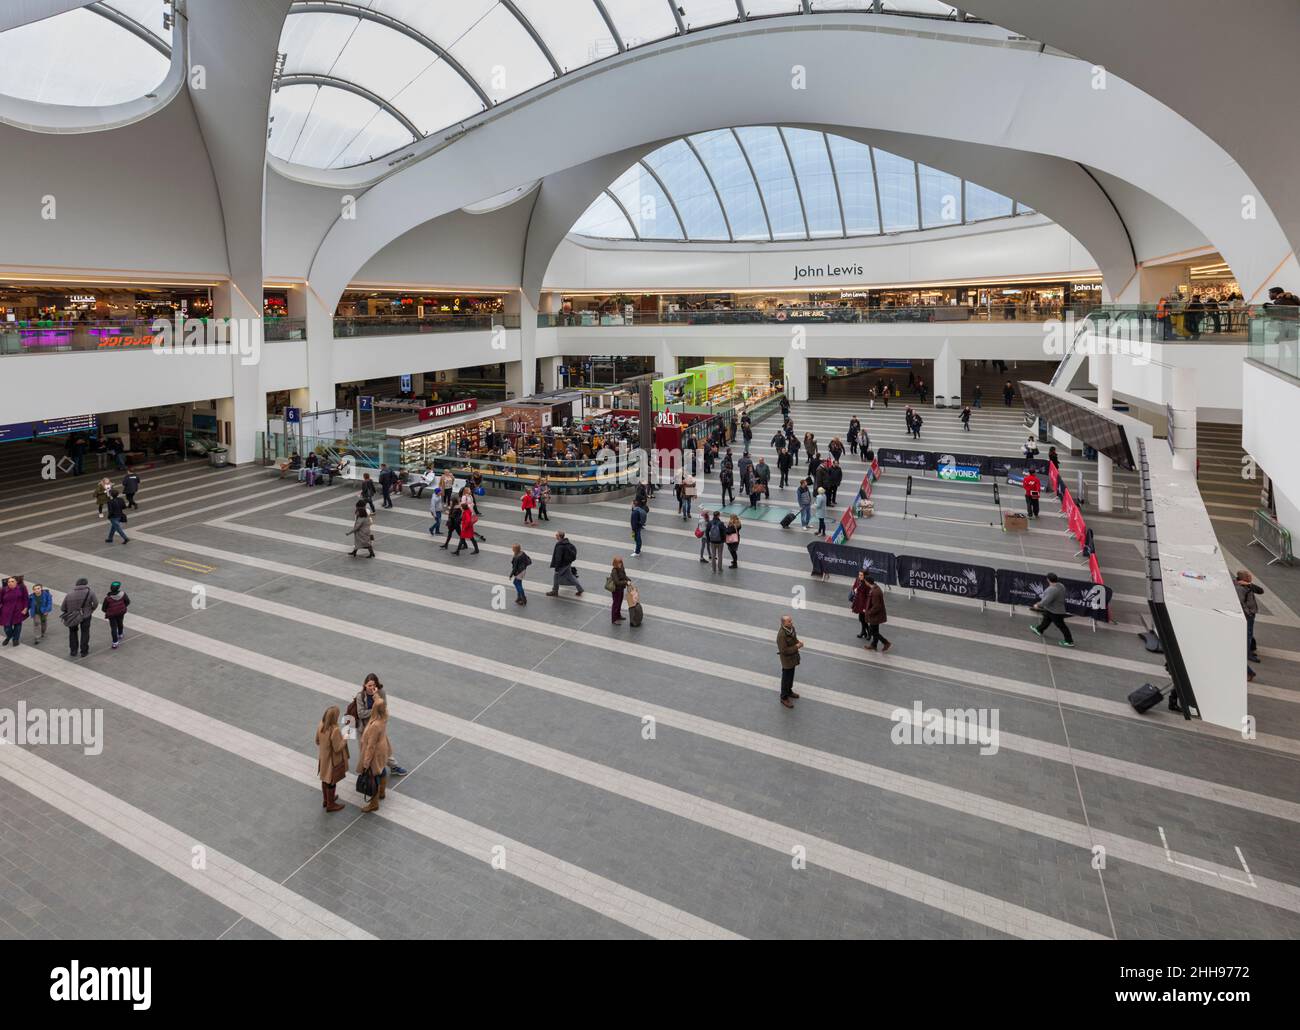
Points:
[[1015, 522]]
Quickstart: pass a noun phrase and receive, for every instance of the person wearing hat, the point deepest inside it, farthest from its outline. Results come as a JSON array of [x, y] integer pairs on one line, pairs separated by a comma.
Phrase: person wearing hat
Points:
[[76, 612], [114, 608]]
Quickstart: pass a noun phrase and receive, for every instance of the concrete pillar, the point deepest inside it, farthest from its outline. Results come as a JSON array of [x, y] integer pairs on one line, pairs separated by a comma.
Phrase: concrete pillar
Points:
[[521, 375], [1104, 365], [247, 415], [549, 369], [947, 375], [796, 377], [1182, 400], [320, 351], [665, 360]]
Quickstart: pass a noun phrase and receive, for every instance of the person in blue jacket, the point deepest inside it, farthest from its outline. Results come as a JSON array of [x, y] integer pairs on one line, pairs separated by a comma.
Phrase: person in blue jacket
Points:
[[638, 524], [39, 605]]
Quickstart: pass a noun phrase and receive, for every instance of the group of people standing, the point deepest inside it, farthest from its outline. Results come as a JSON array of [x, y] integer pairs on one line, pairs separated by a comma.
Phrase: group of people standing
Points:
[[77, 612], [366, 718], [114, 502]]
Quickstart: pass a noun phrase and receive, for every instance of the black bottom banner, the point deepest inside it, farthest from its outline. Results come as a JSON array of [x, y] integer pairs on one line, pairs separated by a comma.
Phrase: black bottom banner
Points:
[[960, 579], [844, 560], [1082, 597]]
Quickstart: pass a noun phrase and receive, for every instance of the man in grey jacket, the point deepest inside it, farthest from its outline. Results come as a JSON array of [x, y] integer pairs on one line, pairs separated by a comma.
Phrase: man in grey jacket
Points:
[[1247, 591], [77, 612], [1052, 605]]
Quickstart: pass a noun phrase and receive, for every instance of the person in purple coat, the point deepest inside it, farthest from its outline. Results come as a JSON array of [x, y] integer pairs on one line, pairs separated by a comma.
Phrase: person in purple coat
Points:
[[13, 609]]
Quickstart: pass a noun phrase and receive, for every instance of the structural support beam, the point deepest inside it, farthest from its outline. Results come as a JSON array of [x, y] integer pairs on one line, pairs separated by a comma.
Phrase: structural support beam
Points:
[[360, 91], [1105, 365]]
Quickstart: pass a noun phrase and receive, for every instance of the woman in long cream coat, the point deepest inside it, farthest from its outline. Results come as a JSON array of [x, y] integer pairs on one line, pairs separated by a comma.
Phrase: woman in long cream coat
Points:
[[376, 751], [332, 757]]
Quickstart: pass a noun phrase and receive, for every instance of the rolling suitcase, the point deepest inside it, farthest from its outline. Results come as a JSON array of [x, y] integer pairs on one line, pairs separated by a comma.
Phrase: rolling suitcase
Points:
[[635, 614], [787, 520], [1145, 698]]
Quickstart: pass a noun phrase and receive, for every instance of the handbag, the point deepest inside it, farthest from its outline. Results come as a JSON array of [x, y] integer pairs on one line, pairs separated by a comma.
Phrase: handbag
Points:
[[733, 538], [366, 783], [609, 583], [340, 770], [698, 532]]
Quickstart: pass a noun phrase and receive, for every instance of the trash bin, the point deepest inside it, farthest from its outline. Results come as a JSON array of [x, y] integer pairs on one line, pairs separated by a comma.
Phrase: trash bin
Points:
[[217, 458]]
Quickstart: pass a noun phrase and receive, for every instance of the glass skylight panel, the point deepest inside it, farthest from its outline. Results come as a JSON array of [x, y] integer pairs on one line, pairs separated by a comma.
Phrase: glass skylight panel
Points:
[[726, 163], [940, 198], [758, 8], [700, 13], [896, 180], [78, 58], [647, 205], [382, 135], [312, 43], [772, 169], [573, 30], [148, 13], [437, 98], [642, 21], [290, 107], [812, 167], [857, 185], [983, 203], [688, 185], [335, 120], [605, 219]]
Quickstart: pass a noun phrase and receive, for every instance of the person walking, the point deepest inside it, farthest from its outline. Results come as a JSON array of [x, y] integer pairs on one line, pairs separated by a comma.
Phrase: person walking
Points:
[[784, 462], [917, 421], [874, 615], [519, 562], [1007, 393], [562, 559], [14, 609], [386, 479], [130, 487], [375, 752], [1033, 490], [616, 583], [543, 498], [361, 532], [1247, 591], [727, 480], [1052, 605], [435, 509], [965, 418], [76, 612], [715, 535], [102, 489], [116, 518], [453, 523], [977, 396], [803, 498], [788, 646], [819, 510], [858, 596], [116, 602], [689, 492], [527, 503], [639, 517], [468, 520], [733, 539], [368, 491], [702, 534], [332, 758], [39, 605]]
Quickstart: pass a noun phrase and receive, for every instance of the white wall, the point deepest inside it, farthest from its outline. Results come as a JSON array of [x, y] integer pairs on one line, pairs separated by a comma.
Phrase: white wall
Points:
[[1218, 370], [376, 357], [1023, 246], [1268, 434]]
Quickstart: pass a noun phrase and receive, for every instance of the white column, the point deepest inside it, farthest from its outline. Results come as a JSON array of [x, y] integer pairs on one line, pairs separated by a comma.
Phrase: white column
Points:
[[320, 352], [947, 375], [1182, 399], [521, 375], [1104, 364], [665, 360], [246, 410], [796, 377], [550, 373]]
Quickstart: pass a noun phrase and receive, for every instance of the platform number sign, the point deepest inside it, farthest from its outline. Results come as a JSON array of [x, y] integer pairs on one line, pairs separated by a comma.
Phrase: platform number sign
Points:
[[292, 416], [366, 403]]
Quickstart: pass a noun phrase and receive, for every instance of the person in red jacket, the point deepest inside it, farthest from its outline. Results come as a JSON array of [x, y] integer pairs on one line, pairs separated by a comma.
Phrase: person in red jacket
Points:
[[527, 502], [114, 607], [468, 520], [1033, 488]]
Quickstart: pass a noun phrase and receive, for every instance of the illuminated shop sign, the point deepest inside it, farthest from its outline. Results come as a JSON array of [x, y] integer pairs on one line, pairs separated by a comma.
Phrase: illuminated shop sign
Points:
[[826, 271], [450, 408]]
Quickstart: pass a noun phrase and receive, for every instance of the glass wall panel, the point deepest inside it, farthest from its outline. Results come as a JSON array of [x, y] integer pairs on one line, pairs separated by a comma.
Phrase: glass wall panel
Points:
[[772, 169], [896, 179], [812, 166], [857, 186], [647, 205], [689, 187], [720, 151], [940, 198]]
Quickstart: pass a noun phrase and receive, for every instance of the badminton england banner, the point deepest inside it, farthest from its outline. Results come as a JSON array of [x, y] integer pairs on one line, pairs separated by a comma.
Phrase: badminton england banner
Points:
[[960, 579]]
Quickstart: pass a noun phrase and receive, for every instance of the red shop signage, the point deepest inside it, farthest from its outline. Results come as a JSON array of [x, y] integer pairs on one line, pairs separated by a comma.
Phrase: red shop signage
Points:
[[450, 408]]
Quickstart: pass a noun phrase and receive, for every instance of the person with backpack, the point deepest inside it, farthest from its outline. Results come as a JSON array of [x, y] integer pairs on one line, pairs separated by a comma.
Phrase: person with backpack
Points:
[[116, 602], [361, 532], [1052, 607], [130, 487], [803, 498], [332, 758], [519, 562], [640, 515], [468, 520], [39, 605], [528, 502], [715, 535], [727, 480], [733, 538], [562, 560], [76, 613], [616, 583], [116, 517], [368, 491], [14, 606]]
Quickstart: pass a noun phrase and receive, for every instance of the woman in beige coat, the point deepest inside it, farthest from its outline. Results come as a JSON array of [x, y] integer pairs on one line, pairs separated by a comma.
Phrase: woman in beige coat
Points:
[[333, 757], [375, 751]]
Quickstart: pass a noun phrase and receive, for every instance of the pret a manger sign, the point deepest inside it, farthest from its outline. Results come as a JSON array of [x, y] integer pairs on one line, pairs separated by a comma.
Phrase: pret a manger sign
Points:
[[449, 408]]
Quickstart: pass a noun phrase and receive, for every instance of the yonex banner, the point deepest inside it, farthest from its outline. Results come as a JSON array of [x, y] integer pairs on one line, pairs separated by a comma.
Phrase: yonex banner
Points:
[[1082, 597], [842, 560], [960, 473], [959, 579]]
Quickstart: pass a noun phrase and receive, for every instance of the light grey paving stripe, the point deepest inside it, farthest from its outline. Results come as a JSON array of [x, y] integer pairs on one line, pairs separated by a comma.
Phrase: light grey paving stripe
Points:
[[781, 601], [964, 802], [42, 496], [39, 527], [257, 898], [1141, 774], [631, 908], [966, 677]]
